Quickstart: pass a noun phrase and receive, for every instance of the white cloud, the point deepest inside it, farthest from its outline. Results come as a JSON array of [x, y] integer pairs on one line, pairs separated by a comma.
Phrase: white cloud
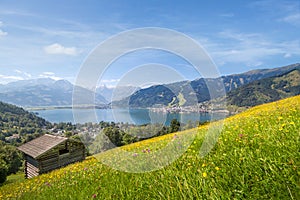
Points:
[[20, 75], [17, 12], [243, 37], [287, 55], [2, 33], [110, 81], [59, 49], [50, 75], [24, 74], [27, 75], [6, 79], [280, 10], [18, 71], [229, 15], [250, 48], [293, 19]]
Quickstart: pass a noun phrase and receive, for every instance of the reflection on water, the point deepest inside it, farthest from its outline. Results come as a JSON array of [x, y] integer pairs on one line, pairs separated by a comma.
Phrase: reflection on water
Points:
[[132, 116]]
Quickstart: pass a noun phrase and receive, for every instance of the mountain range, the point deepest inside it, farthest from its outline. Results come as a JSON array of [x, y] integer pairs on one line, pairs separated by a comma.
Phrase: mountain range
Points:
[[245, 89], [43, 92], [116, 93], [48, 92], [266, 90], [183, 93]]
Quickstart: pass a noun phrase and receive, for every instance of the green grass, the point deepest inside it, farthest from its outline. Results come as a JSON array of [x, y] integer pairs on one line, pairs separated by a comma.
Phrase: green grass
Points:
[[14, 178], [181, 99], [255, 157]]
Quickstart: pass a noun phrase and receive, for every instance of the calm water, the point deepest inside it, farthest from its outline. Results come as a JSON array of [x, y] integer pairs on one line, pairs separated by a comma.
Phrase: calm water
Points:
[[133, 116]]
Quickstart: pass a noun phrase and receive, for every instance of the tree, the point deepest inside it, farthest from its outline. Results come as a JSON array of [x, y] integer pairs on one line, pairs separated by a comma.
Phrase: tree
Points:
[[3, 171], [128, 139], [11, 157], [100, 144], [115, 135], [174, 126]]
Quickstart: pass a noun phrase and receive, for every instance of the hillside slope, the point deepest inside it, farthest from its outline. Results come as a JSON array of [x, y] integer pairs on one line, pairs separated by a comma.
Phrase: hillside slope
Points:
[[266, 90], [18, 125], [196, 90], [256, 157]]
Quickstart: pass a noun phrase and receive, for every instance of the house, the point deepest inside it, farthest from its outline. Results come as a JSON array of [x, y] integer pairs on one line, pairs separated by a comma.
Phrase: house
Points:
[[50, 152]]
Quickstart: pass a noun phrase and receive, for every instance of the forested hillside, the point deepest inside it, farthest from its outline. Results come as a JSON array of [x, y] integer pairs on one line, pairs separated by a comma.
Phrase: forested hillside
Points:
[[18, 125], [266, 90], [186, 93]]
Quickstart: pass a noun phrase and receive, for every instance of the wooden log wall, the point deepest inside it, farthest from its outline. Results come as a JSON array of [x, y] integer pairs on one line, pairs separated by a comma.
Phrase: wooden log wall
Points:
[[31, 167], [53, 160]]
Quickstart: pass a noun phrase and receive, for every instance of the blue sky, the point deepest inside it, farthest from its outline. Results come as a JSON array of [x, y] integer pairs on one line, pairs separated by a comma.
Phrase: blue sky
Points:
[[53, 38]]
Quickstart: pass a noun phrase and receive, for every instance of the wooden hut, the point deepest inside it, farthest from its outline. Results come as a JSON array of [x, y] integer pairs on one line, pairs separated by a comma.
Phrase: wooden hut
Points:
[[50, 152]]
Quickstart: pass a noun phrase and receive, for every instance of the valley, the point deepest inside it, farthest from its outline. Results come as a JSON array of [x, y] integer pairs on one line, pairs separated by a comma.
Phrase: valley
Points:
[[245, 163], [149, 100]]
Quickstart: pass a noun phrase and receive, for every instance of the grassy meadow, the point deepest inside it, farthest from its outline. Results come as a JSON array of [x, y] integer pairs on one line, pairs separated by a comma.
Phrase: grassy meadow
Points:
[[257, 156]]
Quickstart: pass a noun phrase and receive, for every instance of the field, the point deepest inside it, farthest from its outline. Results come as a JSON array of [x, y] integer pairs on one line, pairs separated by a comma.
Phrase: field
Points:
[[256, 156]]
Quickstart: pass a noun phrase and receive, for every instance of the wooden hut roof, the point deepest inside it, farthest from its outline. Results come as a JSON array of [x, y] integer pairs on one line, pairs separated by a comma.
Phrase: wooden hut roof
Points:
[[41, 145]]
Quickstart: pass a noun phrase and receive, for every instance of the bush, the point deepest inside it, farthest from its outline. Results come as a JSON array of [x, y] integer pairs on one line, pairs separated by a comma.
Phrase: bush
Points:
[[11, 157], [3, 171]]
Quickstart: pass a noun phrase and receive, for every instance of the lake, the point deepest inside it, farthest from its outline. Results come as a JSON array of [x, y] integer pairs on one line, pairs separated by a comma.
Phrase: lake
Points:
[[132, 116]]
